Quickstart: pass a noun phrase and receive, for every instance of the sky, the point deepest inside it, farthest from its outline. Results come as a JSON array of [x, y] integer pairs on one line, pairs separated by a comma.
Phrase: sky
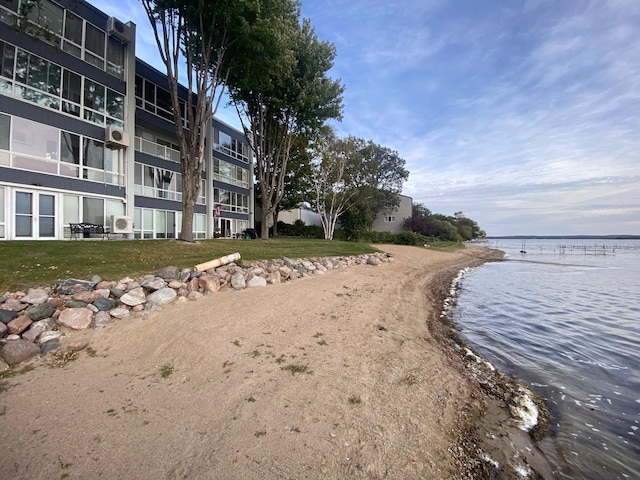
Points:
[[524, 115]]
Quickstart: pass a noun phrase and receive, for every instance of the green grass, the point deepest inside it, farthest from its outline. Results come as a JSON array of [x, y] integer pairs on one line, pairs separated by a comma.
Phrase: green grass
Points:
[[25, 264]]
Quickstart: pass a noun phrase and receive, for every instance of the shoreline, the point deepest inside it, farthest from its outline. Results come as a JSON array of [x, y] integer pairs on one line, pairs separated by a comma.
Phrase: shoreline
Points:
[[258, 384]]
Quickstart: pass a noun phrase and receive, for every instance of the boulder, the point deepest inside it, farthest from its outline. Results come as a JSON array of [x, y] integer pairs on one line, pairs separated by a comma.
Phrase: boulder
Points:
[[134, 297], [16, 351], [104, 304], [154, 283], [76, 318], [169, 273], [256, 281], [19, 325], [161, 297], [7, 315], [237, 281], [69, 286], [35, 296], [41, 311]]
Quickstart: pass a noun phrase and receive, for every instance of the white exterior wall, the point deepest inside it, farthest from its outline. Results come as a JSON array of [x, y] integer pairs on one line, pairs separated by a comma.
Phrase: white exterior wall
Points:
[[392, 221]]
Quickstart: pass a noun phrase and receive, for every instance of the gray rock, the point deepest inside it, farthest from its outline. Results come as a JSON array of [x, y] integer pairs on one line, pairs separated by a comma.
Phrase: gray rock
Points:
[[75, 318], [290, 262], [49, 345], [75, 304], [102, 320], [169, 273], [16, 351], [35, 296], [161, 297], [3, 329], [153, 284], [7, 315], [41, 311], [117, 293], [69, 286], [134, 297], [104, 304], [373, 261], [237, 281], [256, 281], [120, 313]]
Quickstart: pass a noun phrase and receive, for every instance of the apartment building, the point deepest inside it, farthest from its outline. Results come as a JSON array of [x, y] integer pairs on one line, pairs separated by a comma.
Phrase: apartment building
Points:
[[87, 135]]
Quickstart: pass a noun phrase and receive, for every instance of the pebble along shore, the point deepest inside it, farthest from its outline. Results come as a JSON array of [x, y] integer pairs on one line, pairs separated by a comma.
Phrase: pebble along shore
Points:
[[39, 321]]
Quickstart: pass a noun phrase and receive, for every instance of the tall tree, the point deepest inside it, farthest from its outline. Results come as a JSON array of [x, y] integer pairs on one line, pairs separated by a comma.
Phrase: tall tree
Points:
[[195, 35], [281, 92]]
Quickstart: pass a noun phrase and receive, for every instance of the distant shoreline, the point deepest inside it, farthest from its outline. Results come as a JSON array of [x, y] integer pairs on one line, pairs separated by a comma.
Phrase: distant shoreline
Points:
[[564, 237]]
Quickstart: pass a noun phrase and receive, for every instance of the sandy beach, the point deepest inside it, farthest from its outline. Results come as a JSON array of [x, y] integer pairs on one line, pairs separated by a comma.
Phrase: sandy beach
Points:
[[343, 375]]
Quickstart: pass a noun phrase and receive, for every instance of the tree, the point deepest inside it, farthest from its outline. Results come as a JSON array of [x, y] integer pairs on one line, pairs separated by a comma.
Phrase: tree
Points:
[[332, 191], [282, 91], [196, 35], [378, 174], [457, 228]]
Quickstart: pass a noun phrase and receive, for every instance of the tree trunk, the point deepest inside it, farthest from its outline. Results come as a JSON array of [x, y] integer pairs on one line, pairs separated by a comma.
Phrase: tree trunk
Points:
[[264, 230]]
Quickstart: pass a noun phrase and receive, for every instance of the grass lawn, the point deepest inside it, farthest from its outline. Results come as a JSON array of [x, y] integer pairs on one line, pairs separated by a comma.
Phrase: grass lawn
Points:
[[25, 264]]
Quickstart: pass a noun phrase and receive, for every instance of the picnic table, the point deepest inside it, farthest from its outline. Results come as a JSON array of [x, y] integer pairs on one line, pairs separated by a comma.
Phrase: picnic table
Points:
[[87, 229]]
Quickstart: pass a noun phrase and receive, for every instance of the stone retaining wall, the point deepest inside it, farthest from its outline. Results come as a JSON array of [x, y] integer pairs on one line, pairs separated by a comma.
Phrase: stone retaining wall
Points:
[[35, 322]]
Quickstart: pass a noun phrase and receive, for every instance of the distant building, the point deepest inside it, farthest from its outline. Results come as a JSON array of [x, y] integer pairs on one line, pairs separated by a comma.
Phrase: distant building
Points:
[[392, 220], [87, 135]]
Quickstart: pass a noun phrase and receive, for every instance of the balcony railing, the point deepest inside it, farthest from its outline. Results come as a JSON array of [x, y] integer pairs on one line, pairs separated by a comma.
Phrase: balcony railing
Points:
[[157, 150]]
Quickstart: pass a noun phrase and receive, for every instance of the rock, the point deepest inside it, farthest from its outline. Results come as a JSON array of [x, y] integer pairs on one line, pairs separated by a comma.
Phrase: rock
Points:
[[76, 318], [36, 296], [169, 273], [175, 284], [14, 305], [41, 311], [19, 325], [194, 295], [117, 293], [7, 315], [161, 297], [134, 297], [36, 329], [193, 285], [256, 281], [86, 297], [104, 285], [15, 351], [49, 336], [49, 345], [69, 286], [373, 261], [75, 304], [3, 366], [291, 263], [104, 304], [56, 302], [120, 313], [237, 281], [77, 346], [208, 283], [102, 319], [154, 283], [3, 329]]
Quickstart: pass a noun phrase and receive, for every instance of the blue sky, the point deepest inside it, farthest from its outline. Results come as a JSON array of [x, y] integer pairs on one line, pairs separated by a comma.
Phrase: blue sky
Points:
[[525, 115]]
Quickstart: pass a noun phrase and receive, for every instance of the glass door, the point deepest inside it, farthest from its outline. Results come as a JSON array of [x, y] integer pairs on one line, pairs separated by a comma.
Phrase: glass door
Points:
[[35, 215]]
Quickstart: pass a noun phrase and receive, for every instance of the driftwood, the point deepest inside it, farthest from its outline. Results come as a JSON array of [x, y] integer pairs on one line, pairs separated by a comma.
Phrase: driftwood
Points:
[[201, 267]]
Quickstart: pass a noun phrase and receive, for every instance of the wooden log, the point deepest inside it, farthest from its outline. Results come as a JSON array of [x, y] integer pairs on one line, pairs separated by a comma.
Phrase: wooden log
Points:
[[201, 267]]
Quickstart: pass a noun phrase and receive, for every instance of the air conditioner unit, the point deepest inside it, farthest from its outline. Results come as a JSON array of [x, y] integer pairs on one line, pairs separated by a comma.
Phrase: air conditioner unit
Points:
[[116, 138], [121, 224], [120, 30]]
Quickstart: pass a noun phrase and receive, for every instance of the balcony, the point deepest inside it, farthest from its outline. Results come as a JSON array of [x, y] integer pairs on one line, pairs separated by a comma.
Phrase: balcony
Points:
[[156, 150]]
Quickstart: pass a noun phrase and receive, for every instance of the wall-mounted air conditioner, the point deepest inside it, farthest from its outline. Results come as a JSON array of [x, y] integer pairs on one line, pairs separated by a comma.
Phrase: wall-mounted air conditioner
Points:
[[116, 138], [120, 30], [121, 224]]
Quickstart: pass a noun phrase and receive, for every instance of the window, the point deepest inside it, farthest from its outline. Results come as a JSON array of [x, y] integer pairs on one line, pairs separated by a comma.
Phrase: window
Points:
[[72, 34], [94, 98], [115, 57], [93, 160], [69, 154], [94, 46], [390, 218], [48, 15], [71, 91], [2, 220], [5, 131], [93, 210], [7, 56]]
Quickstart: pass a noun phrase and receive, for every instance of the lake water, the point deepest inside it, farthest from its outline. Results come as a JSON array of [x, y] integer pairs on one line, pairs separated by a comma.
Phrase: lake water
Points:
[[564, 318]]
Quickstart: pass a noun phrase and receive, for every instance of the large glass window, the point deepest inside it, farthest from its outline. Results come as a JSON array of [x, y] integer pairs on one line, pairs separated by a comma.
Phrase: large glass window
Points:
[[73, 34], [35, 146], [94, 44], [71, 91], [48, 15], [7, 56], [93, 210], [93, 153]]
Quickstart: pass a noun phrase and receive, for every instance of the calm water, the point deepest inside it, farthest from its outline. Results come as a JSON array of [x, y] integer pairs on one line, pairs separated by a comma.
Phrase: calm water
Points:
[[566, 321]]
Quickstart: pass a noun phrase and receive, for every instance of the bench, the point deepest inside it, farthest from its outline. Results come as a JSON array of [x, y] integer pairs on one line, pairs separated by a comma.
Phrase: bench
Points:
[[87, 229]]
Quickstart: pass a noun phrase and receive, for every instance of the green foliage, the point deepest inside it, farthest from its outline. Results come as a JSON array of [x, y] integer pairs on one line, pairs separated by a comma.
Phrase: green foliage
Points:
[[457, 228]]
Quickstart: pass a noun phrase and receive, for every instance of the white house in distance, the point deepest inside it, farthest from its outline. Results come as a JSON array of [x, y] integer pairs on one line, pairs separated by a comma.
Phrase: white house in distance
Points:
[[385, 222]]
